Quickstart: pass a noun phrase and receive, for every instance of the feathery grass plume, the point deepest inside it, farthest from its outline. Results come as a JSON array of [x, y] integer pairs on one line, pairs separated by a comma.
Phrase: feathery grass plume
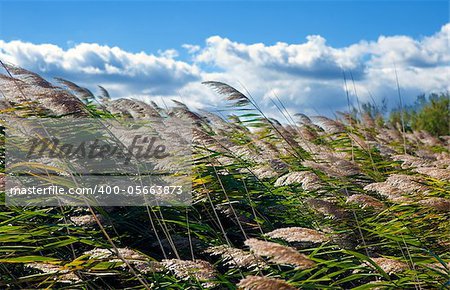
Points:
[[279, 254], [183, 112], [126, 253], [442, 159], [248, 154], [6, 79], [347, 119], [2, 181], [201, 138], [303, 119], [131, 108], [263, 171], [263, 283], [437, 203], [365, 200], [291, 130], [44, 96], [266, 149], [384, 189], [389, 135], [104, 94], [156, 107], [334, 166], [406, 183], [437, 173], [411, 137], [28, 76], [439, 266], [384, 150], [137, 260], [445, 140], [426, 138], [390, 266], [227, 90], [360, 142], [336, 155], [199, 270], [409, 161], [278, 165], [425, 154], [179, 104], [86, 220], [298, 234], [308, 180], [235, 257], [216, 122], [307, 133], [312, 148], [81, 92], [285, 132], [61, 274], [328, 125], [367, 120], [223, 160], [146, 267], [143, 266], [326, 208], [306, 128]]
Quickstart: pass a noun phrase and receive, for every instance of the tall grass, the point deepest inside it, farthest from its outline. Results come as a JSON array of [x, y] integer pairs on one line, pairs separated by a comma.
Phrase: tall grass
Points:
[[313, 204]]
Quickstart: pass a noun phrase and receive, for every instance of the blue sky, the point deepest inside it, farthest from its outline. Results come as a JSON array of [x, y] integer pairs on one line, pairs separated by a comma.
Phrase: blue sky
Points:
[[154, 49], [153, 25]]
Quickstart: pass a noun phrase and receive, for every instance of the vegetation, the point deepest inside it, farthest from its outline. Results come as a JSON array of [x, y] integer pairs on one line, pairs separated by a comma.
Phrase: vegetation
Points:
[[310, 203], [430, 114]]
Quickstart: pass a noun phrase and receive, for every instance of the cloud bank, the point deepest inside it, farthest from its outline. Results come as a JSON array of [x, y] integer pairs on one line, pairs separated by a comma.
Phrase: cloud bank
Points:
[[307, 77]]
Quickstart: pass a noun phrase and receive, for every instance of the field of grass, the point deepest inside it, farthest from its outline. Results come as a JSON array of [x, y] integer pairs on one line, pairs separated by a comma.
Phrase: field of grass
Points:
[[299, 203]]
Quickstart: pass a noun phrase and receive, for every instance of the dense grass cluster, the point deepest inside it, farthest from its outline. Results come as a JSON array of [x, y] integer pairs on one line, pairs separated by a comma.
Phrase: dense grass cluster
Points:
[[309, 202]]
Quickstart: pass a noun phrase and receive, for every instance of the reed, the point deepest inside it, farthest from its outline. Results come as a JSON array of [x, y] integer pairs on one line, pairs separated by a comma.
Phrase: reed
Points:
[[317, 203]]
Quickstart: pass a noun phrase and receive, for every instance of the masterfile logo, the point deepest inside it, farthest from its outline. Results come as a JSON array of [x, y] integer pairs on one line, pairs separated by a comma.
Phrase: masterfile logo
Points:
[[98, 162], [142, 147]]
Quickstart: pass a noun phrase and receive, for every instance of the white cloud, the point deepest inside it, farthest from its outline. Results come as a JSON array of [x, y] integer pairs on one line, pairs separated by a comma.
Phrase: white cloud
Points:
[[92, 64], [191, 48], [307, 77]]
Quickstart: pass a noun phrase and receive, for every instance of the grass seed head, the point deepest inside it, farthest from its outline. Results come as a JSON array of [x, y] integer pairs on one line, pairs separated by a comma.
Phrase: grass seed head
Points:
[[62, 275], [365, 200], [390, 266], [279, 254], [236, 257], [437, 203], [298, 234], [197, 269], [436, 173]]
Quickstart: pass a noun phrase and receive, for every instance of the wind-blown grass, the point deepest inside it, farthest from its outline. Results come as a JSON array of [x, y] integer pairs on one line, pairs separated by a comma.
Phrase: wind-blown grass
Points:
[[315, 204]]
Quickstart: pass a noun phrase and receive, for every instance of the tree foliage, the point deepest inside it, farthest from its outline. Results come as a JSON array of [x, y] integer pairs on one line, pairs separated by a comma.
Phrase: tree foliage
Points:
[[431, 114]]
